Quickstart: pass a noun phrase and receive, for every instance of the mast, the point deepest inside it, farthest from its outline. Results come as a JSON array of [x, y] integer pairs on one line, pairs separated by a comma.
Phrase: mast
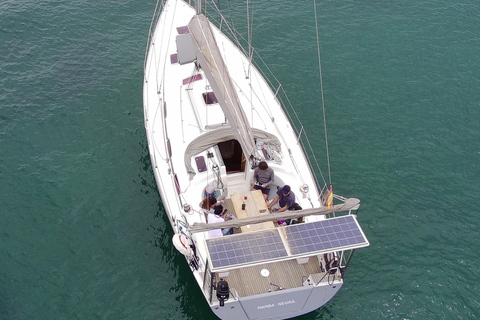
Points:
[[198, 6]]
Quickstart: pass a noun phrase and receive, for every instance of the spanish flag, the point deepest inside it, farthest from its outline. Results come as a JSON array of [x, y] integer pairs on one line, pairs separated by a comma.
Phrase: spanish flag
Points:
[[330, 198]]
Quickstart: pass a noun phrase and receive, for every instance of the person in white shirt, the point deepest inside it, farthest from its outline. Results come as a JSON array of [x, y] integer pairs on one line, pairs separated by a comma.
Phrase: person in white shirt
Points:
[[218, 215]]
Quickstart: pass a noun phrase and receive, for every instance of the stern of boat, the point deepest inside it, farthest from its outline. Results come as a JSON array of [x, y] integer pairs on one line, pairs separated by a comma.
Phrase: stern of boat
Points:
[[280, 304]]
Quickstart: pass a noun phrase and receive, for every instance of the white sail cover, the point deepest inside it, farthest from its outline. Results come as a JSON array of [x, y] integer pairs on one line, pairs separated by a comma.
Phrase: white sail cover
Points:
[[211, 61]]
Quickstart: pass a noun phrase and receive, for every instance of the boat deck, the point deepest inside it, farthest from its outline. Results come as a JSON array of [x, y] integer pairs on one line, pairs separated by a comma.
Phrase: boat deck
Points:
[[286, 274]]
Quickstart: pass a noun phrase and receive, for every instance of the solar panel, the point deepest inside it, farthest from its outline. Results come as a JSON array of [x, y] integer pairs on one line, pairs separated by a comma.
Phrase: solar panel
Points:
[[229, 251], [331, 234], [334, 234]]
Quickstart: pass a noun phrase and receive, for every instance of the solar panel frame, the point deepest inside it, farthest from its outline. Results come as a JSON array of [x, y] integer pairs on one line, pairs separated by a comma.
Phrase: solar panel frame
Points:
[[245, 248], [333, 234], [284, 243]]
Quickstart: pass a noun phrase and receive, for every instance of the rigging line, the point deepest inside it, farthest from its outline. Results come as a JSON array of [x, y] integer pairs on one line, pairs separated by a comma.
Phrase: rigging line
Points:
[[321, 91], [230, 25], [250, 56], [233, 34], [307, 140], [289, 103], [249, 36], [268, 79], [153, 22], [188, 92], [249, 31]]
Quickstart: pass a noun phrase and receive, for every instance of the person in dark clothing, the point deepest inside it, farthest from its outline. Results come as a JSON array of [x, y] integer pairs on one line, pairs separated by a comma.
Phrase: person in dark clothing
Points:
[[285, 199]]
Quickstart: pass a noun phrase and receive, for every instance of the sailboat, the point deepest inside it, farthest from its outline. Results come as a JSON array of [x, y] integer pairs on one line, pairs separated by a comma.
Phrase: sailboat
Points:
[[212, 119]]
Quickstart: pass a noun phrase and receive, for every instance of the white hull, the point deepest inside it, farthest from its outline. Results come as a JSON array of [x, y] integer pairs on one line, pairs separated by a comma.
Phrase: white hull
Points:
[[175, 115], [279, 305]]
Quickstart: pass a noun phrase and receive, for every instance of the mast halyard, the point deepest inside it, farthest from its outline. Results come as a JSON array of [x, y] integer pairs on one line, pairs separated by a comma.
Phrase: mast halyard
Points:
[[249, 39]]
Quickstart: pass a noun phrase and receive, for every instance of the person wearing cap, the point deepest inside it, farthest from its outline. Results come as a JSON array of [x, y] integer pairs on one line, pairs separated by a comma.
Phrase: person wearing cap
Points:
[[285, 198], [264, 177]]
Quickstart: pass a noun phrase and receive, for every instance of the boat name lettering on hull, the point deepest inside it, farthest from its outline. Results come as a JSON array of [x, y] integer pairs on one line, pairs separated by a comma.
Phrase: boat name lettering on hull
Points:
[[279, 304]]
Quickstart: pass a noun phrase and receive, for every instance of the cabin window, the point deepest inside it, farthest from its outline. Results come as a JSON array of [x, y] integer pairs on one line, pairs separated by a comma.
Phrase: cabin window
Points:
[[174, 58], [183, 30], [192, 79], [232, 156], [209, 98], [201, 165]]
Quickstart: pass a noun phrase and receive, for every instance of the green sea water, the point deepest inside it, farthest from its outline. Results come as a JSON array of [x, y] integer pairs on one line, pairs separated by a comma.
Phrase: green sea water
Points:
[[83, 234]]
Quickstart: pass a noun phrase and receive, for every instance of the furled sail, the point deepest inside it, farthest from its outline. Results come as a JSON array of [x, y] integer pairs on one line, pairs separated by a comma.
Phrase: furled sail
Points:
[[210, 59]]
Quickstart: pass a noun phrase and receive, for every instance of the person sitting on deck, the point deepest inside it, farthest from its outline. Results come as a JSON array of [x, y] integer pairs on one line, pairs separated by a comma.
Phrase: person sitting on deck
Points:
[[285, 199], [219, 215], [264, 177], [208, 203]]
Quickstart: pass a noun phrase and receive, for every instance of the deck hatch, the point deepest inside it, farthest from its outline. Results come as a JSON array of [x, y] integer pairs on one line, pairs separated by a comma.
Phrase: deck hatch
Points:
[[209, 98], [174, 58], [185, 49], [284, 243]]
